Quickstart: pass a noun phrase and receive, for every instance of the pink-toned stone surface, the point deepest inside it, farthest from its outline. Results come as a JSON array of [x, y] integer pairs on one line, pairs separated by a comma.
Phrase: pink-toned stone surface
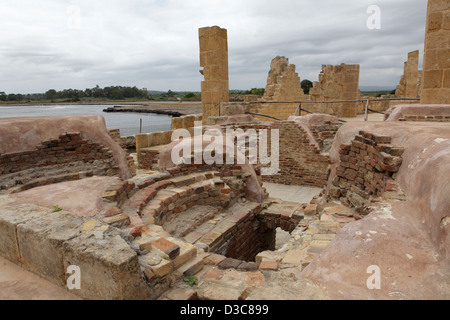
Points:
[[81, 197], [23, 134], [409, 241], [254, 190], [18, 284], [398, 112]]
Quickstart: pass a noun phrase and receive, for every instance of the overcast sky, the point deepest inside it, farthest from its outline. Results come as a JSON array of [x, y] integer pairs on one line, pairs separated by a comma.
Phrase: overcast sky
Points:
[[60, 44]]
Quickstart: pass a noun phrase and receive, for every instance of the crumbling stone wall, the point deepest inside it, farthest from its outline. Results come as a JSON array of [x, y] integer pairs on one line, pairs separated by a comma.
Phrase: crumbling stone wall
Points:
[[214, 60], [283, 83], [436, 64], [303, 147], [301, 160], [121, 141], [69, 157], [365, 169], [148, 147], [409, 86], [185, 122], [336, 83]]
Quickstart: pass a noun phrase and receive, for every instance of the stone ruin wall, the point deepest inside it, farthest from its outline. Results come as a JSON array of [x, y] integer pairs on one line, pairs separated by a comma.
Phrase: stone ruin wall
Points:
[[339, 82], [365, 169], [409, 86], [436, 64], [303, 146], [148, 145], [70, 157], [214, 60], [283, 84], [122, 141]]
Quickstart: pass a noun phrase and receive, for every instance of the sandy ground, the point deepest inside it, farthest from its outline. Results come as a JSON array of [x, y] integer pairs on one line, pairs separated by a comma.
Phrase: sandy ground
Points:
[[81, 197], [18, 284]]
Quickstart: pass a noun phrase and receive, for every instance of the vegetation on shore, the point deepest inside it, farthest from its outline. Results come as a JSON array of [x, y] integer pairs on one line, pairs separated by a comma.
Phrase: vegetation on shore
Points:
[[133, 94]]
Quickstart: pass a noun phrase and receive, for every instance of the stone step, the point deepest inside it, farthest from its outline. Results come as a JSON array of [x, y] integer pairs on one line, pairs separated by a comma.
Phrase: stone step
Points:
[[180, 294], [190, 268]]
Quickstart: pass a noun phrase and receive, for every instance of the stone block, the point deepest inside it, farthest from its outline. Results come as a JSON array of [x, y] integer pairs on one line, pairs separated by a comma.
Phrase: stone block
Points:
[[163, 268], [187, 252], [213, 259], [109, 268], [294, 256], [182, 295], [214, 274], [190, 268], [118, 220], [248, 266], [268, 265], [229, 263], [438, 5], [310, 210], [435, 21], [166, 246], [41, 244], [432, 79], [10, 219]]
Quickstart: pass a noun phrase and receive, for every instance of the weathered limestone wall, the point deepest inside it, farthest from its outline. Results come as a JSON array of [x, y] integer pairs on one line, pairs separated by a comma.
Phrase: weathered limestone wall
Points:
[[283, 84], [185, 122], [278, 110], [149, 145], [47, 243], [214, 60], [436, 65], [336, 83], [409, 86]]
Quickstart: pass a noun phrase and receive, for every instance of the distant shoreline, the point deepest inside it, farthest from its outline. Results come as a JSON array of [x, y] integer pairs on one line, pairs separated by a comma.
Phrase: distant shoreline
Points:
[[174, 108], [26, 104]]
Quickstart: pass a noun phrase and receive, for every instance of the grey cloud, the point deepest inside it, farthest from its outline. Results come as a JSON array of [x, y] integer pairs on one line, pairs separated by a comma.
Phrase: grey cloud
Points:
[[154, 44]]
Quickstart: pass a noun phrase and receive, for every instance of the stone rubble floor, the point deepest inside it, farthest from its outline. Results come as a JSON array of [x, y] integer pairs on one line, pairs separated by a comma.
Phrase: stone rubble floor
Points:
[[274, 274]]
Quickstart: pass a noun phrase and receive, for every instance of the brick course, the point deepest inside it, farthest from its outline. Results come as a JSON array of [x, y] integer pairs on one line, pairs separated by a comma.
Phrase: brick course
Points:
[[366, 165], [69, 157]]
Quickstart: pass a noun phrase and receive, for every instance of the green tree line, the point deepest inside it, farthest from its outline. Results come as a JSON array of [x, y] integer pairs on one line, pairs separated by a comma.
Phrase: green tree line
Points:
[[107, 93]]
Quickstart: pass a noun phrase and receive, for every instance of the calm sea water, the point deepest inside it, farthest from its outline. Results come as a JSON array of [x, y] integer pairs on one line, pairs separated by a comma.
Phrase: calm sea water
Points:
[[128, 123]]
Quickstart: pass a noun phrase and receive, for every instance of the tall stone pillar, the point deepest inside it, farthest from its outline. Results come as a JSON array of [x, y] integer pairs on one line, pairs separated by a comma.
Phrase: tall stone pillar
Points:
[[214, 60], [409, 86], [436, 64]]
